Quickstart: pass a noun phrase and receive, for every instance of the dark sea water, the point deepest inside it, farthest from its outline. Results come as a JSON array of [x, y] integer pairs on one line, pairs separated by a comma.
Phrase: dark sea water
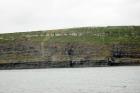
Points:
[[123, 79]]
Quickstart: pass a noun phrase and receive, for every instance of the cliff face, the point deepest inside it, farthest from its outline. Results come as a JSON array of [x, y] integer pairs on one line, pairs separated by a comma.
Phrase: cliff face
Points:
[[75, 44]]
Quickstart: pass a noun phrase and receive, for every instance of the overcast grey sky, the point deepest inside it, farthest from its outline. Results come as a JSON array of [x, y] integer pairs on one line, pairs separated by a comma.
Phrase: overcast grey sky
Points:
[[28, 15]]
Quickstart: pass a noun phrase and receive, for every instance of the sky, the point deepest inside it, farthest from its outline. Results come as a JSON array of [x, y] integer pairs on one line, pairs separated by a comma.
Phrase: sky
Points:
[[33, 15]]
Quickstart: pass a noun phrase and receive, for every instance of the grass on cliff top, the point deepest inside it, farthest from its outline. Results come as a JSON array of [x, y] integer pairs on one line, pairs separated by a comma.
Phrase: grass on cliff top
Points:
[[113, 34]]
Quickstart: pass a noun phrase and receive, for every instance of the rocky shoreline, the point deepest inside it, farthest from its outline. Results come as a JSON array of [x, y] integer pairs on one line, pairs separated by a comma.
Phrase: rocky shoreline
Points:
[[49, 64]]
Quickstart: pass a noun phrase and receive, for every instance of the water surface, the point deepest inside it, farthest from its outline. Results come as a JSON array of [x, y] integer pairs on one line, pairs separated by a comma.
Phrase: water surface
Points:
[[124, 79]]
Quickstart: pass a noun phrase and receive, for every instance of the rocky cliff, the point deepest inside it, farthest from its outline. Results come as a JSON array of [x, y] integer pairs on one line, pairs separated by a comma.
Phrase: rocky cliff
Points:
[[85, 46]]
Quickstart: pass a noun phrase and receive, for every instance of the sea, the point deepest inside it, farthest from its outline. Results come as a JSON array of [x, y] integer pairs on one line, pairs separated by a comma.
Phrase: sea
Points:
[[119, 79]]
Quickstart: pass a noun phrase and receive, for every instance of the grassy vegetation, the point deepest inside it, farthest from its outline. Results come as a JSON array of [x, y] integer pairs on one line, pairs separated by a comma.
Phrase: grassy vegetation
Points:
[[105, 34]]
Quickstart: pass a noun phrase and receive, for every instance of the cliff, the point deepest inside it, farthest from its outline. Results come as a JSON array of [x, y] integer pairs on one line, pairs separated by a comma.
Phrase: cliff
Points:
[[73, 47]]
